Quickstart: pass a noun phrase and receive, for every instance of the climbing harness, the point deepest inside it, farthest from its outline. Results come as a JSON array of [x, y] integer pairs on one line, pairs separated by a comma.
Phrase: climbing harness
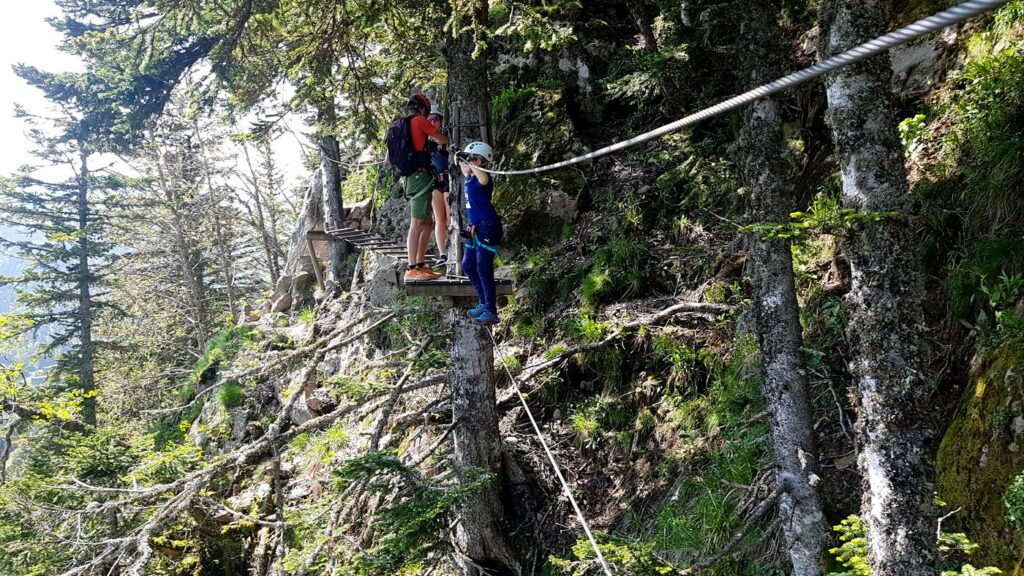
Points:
[[868, 49], [551, 459]]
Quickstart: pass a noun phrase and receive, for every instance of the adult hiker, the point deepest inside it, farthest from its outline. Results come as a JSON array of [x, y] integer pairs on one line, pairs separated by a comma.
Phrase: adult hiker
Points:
[[485, 231], [439, 198], [408, 153]]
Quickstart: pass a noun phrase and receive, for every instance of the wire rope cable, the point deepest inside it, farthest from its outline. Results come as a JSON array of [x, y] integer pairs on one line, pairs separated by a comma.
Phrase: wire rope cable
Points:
[[917, 29], [554, 463]]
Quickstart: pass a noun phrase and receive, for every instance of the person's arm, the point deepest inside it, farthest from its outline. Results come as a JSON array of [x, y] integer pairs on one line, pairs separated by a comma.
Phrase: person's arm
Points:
[[440, 137], [481, 176]]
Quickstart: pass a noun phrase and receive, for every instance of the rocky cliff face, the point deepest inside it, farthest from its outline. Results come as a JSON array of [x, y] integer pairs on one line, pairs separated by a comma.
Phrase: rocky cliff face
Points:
[[982, 451]]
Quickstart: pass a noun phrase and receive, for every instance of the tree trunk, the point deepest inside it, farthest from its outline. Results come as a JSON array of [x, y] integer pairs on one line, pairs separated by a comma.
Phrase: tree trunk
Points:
[[777, 313], [468, 107], [188, 254], [479, 537], [641, 12], [334, 216], [85, 312], [258, 219], [884, 303]]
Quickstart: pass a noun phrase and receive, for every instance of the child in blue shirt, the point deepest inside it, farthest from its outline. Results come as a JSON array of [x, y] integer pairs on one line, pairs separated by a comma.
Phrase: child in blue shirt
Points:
[[485, 232]]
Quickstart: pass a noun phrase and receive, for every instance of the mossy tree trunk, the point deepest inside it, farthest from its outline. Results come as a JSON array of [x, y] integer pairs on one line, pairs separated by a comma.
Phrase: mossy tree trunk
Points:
[[482, 546], [762, 156], [884, 304]]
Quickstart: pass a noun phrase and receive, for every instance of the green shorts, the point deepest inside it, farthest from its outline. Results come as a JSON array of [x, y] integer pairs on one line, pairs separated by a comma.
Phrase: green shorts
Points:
[[417, 189]]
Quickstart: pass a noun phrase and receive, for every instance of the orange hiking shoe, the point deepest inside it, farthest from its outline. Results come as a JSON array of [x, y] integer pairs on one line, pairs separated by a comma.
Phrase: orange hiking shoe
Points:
[[416, 274], [429, 274]]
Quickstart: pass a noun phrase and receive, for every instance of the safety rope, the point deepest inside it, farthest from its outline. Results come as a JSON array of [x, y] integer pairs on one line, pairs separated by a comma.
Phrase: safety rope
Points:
[[919, 28], [551, 458]]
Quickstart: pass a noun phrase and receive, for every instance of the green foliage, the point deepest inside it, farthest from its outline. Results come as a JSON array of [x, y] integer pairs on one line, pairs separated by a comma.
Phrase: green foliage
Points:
[[509, 102], [853, 552], [974, 177], [414, 523], [1013, 500], [825, 217], [622, 268], [636, 559], [650, 78], [700, 517], [997, 319], [220, 350], [231, 395], [912, 130], [307, 316], [352, 388], [593, 419], [541, 27]]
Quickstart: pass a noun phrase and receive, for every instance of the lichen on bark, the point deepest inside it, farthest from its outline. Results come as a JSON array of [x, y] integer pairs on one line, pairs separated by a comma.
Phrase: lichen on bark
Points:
[[884, 303]]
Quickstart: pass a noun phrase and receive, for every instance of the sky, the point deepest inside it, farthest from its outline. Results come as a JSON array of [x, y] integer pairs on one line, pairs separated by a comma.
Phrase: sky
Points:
[[25, 38]]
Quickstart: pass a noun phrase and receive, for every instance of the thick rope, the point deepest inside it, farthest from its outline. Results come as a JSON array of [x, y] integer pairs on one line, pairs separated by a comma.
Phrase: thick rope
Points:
[[554, 464], [881, 44]]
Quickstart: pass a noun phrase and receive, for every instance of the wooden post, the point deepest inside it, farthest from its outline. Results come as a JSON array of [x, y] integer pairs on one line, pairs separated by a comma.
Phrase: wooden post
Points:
[[316, 264]]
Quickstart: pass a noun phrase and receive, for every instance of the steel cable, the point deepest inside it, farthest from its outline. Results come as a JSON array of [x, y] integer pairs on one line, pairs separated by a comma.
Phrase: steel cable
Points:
[[919, 28]]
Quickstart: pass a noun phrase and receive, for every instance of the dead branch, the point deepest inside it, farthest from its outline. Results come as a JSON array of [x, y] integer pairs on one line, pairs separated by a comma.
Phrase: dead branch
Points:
[[433, 447], [395, 393], [699, 308]]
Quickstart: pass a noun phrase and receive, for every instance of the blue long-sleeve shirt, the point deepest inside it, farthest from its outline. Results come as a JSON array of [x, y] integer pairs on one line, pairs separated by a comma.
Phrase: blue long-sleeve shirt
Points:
[[478, 200]]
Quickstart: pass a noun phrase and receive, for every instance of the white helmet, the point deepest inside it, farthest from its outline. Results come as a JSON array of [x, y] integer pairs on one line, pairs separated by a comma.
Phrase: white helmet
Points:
[[481, 149]]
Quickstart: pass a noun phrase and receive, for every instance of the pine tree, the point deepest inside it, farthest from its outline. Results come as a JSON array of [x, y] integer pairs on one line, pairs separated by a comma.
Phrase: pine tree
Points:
[[59, 205]]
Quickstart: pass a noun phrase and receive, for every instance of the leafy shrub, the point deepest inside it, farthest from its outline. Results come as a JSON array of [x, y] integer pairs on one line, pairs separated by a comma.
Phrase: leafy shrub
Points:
[[231, 394], [414, 522], [622, 268], [633, 558], [853, 551]]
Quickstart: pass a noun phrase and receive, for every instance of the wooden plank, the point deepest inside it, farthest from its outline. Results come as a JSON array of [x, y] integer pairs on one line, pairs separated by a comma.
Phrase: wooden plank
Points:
[[451, 287], [376, 243]]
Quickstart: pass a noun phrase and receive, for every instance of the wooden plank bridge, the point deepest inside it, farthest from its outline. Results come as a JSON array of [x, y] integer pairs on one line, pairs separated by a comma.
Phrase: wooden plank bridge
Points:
[[447, 286]]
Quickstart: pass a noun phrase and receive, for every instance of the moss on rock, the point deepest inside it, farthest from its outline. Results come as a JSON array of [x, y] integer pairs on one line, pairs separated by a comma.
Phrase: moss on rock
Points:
[[533, 128], [982, 451]]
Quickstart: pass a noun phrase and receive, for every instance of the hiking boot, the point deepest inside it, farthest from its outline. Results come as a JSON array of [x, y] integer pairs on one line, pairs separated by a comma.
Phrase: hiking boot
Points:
[[476, 311], [418, 274], [488, 318], [441, 260], [429, 274]]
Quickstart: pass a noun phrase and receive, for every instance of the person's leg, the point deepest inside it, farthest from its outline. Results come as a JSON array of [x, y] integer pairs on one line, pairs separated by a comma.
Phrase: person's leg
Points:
[[412, 242], [440, 207], [419, 186], [485, 273], [426, 227], [469, 268]]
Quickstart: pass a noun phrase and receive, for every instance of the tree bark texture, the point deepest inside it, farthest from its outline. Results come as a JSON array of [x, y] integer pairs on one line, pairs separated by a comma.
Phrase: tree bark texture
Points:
[[468, 108], [884, 303], [777, 313], [85, 280], [480, 534], [334, 216]]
